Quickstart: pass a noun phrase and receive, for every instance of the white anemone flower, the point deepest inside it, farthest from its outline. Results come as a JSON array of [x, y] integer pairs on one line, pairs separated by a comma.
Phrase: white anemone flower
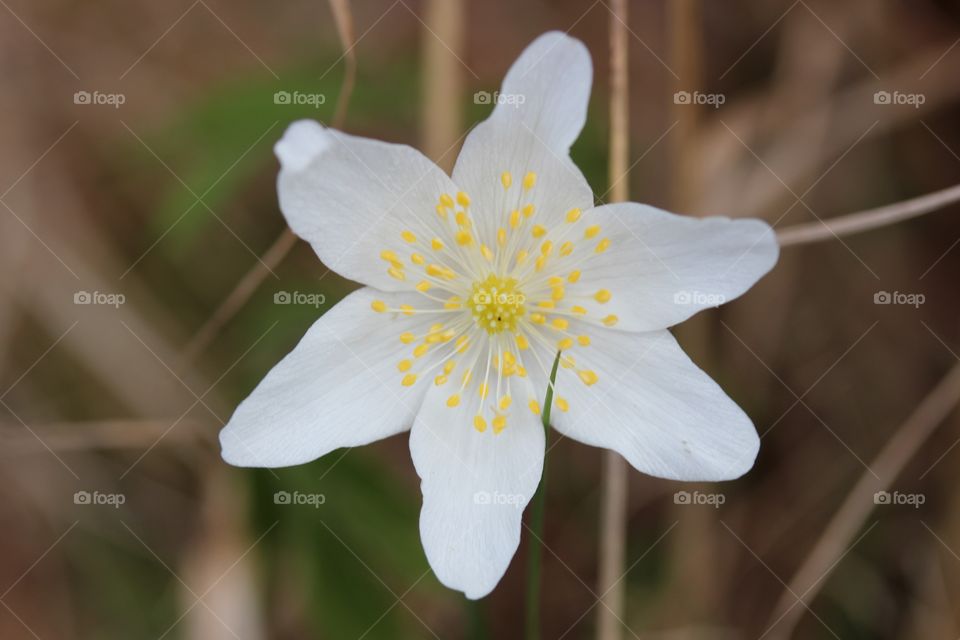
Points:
[[473, 283]]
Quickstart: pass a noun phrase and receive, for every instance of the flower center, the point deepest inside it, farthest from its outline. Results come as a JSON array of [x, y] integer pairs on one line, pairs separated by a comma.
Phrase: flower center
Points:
[[496, 304]]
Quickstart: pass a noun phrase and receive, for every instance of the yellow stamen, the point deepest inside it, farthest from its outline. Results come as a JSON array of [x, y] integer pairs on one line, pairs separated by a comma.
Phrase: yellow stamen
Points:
[[379, 306], [602, 296], [588, 377], [404, 365], [573, 215], [409, 379], [506, 179], [408, 236]]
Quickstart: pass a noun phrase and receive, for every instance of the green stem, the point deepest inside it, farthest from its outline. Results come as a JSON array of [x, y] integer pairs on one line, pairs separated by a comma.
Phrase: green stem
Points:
[[536, 522]]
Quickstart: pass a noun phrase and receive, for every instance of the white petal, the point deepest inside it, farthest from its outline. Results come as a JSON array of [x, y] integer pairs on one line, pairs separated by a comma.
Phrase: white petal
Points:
[[662, 268], [475, 486], [553, 77], [546, 91], [656, 408], [351, 198], [339, 387]]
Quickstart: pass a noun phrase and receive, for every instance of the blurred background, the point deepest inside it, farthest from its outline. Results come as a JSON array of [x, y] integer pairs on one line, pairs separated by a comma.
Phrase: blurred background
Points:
[[148, 284]]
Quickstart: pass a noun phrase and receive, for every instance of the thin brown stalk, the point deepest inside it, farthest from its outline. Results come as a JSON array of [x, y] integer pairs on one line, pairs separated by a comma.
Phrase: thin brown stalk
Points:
[[440, 114], [275, 254], [613, 514], [868, 219], [850, 517]]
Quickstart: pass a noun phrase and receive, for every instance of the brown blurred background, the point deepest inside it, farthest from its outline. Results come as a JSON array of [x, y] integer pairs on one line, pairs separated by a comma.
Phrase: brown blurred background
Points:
[[137, 183]]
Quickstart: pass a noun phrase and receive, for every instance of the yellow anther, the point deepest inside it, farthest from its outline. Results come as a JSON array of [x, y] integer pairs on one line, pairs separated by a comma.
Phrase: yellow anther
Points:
[[509, 358], [610, 320], [452, 304], [555, 281], [558, 293], [435, 270], [463, 238], [505, 403], [546, 304], [436, 244], [527, 210], [538, 231], [603, 245], [588, 377], [433, 338], [389, 256], [453, 400], [506, 179], [461, 344], [407, 338], [560, 323], [462, 219], [421, 350], [409, 379], [437, 326], [566, 248], [467, 377], [591, 231], [441, 211], [514, 219], [449, 366], [463, 199], [447, 335], [521, 372], [408, 236], [565, 344], [546, 247], [397, 274], [602, 296], [521, 257], [577, 309], [418, 259], [404, 365], [540, 263], [522, 342], [440, 380], [529, 180], [562, 404], [423, 286], [482, 390], [537, 318], [379, 306], [479, 423], [583, 341], [501, 236], [446, 200], [406, 309], [534, 407], [573, 215], [574, 275], [499, 424], [486, 252], [568, 362]]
